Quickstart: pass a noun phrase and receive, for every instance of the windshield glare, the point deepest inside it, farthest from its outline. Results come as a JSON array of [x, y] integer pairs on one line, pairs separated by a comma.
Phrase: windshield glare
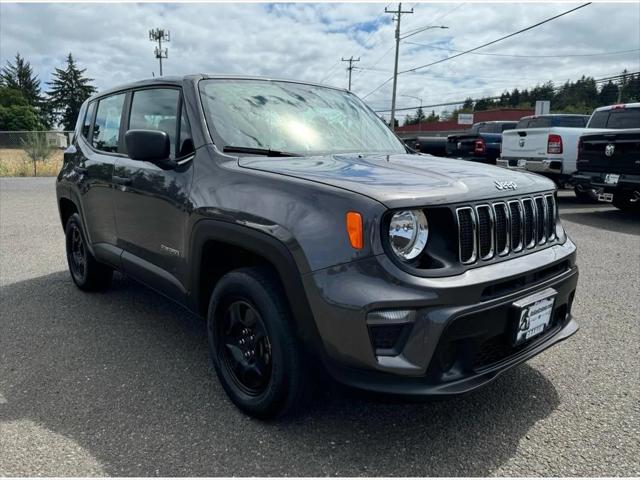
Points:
[[291, 117]]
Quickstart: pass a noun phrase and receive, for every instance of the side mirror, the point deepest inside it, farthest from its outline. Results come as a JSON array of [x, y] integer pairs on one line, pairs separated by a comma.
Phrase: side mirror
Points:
[[149, 145]]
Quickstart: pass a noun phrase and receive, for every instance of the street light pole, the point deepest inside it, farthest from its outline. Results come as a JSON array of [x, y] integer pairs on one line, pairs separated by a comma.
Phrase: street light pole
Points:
[[416, 98]]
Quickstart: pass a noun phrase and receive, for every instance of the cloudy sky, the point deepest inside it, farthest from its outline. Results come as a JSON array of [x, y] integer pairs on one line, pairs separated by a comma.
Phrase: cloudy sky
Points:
[[306, 42]]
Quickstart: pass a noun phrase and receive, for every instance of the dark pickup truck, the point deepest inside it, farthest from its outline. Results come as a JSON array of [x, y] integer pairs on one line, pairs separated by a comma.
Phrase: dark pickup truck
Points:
[[481, 143], [431, 145], [609, 162]]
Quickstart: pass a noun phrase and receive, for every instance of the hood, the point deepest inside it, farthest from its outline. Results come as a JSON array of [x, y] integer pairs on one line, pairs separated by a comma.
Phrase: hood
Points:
[[404, 180]]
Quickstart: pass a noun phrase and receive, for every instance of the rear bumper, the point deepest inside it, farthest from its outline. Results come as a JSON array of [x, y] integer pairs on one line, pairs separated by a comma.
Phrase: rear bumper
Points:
[[596, 180], [460, 337], [538, 165]]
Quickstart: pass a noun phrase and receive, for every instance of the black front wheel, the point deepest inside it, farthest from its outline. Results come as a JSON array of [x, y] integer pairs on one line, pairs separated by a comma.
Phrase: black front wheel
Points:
[[253, 344], [86, 272]]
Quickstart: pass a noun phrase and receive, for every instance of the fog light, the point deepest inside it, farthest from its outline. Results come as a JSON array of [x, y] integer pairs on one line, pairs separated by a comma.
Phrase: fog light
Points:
[[388, 329]]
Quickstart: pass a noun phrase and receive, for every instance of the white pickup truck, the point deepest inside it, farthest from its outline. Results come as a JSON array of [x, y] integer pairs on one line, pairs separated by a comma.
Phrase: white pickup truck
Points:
[[548, 144], [545, 144]]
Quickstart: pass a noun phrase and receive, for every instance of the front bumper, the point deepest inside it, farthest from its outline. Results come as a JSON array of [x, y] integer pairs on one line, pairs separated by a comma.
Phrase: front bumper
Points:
[[460, 321], [538, 165]]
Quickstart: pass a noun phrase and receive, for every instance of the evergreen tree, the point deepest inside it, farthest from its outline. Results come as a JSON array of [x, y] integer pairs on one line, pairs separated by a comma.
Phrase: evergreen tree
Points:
[[69, 89], [433, 117], [608, 94], [19, 76], [15, 111]]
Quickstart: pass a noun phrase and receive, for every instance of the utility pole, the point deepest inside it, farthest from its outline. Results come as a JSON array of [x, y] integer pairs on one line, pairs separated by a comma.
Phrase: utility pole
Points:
[[158, 35], [398, 14], [350, 67]]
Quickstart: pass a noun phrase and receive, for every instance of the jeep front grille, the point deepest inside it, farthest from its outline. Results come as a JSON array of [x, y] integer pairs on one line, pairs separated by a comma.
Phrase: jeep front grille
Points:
[[501, 228]]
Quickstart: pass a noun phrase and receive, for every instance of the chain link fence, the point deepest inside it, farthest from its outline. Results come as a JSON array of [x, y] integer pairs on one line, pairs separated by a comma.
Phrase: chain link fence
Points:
[[32, 153]]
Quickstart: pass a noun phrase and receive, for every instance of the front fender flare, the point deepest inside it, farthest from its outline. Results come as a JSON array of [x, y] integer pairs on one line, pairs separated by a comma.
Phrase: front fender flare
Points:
[[267, 247]]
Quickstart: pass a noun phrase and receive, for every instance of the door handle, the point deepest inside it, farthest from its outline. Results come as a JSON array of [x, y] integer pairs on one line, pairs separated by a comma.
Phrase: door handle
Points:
[[121, 180]]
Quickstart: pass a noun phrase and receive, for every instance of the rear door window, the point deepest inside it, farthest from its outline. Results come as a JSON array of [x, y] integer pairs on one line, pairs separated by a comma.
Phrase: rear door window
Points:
[[106, 130]]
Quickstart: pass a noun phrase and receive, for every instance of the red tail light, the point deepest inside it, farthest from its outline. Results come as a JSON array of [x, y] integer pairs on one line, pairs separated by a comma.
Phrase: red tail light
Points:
[[479, 147], [579, 149], [554, 143]]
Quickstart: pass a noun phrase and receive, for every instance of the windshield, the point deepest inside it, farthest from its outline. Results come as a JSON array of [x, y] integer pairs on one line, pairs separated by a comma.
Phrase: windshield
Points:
[[292, 117]]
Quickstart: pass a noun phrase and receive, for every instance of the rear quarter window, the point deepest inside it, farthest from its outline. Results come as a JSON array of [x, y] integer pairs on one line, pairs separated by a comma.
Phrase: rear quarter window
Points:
[[106, 128], [88, 119]]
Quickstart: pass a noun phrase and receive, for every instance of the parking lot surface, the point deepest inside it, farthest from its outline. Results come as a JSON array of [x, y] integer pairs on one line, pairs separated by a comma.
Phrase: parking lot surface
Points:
[[119, 383]]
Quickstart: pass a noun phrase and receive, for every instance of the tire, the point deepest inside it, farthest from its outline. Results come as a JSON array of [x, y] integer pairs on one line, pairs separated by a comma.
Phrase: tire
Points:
[[249, 304], [86, 272], [623, 202], [588, 196]]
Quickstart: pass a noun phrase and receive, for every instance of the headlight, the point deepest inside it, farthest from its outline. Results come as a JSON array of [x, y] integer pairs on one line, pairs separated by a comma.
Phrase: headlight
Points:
[[408, 233]]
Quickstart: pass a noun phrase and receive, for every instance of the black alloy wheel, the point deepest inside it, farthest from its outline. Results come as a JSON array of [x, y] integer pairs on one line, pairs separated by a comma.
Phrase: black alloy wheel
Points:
[[245, 347], [254, 346], [86, 272], [77, 254]]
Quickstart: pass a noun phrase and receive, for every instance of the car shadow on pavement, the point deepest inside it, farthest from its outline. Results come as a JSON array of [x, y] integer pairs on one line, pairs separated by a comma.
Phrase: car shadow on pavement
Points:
[[125, 375], [610, 220], [599, 215]]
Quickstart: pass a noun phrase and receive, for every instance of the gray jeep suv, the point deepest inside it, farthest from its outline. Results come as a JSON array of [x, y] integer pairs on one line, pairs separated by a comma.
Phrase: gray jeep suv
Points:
[[290, 218]]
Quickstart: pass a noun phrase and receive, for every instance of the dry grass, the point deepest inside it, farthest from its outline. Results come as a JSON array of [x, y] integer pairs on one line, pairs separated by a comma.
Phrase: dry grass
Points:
[[15, 163]]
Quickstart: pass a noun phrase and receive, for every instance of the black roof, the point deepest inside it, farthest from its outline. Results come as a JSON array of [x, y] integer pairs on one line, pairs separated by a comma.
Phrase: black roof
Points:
[[178, 80]]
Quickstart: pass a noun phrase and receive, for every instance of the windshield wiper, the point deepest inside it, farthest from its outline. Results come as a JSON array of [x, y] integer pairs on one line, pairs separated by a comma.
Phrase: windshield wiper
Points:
[[259, 151]]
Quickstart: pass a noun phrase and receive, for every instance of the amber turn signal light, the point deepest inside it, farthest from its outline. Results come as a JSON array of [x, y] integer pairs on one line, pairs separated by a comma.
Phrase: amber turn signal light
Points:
[[354, 229]]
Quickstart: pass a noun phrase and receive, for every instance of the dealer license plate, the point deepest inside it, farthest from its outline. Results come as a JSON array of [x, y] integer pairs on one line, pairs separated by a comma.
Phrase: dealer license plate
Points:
[[533, 315], [611, 178]]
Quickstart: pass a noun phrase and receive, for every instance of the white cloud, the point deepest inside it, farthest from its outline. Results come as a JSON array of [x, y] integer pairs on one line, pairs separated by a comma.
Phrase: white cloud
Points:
[[306, 41]]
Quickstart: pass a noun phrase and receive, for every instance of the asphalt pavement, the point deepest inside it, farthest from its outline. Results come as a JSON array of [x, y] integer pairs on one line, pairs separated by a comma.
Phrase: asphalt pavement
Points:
[[119, 383]]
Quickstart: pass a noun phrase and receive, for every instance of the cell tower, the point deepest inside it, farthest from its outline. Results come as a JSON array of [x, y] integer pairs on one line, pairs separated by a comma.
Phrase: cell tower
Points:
[[159, 35]]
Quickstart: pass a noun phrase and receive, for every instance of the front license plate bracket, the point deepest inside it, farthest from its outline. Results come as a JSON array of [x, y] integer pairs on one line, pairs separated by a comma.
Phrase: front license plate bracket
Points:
[[533, 315]]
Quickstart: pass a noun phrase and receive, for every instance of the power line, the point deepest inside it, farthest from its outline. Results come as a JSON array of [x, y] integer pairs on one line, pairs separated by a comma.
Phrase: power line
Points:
[[496, 97], [498, 39], [364, 43], [478, 47], [619, 52], [446, 14]]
